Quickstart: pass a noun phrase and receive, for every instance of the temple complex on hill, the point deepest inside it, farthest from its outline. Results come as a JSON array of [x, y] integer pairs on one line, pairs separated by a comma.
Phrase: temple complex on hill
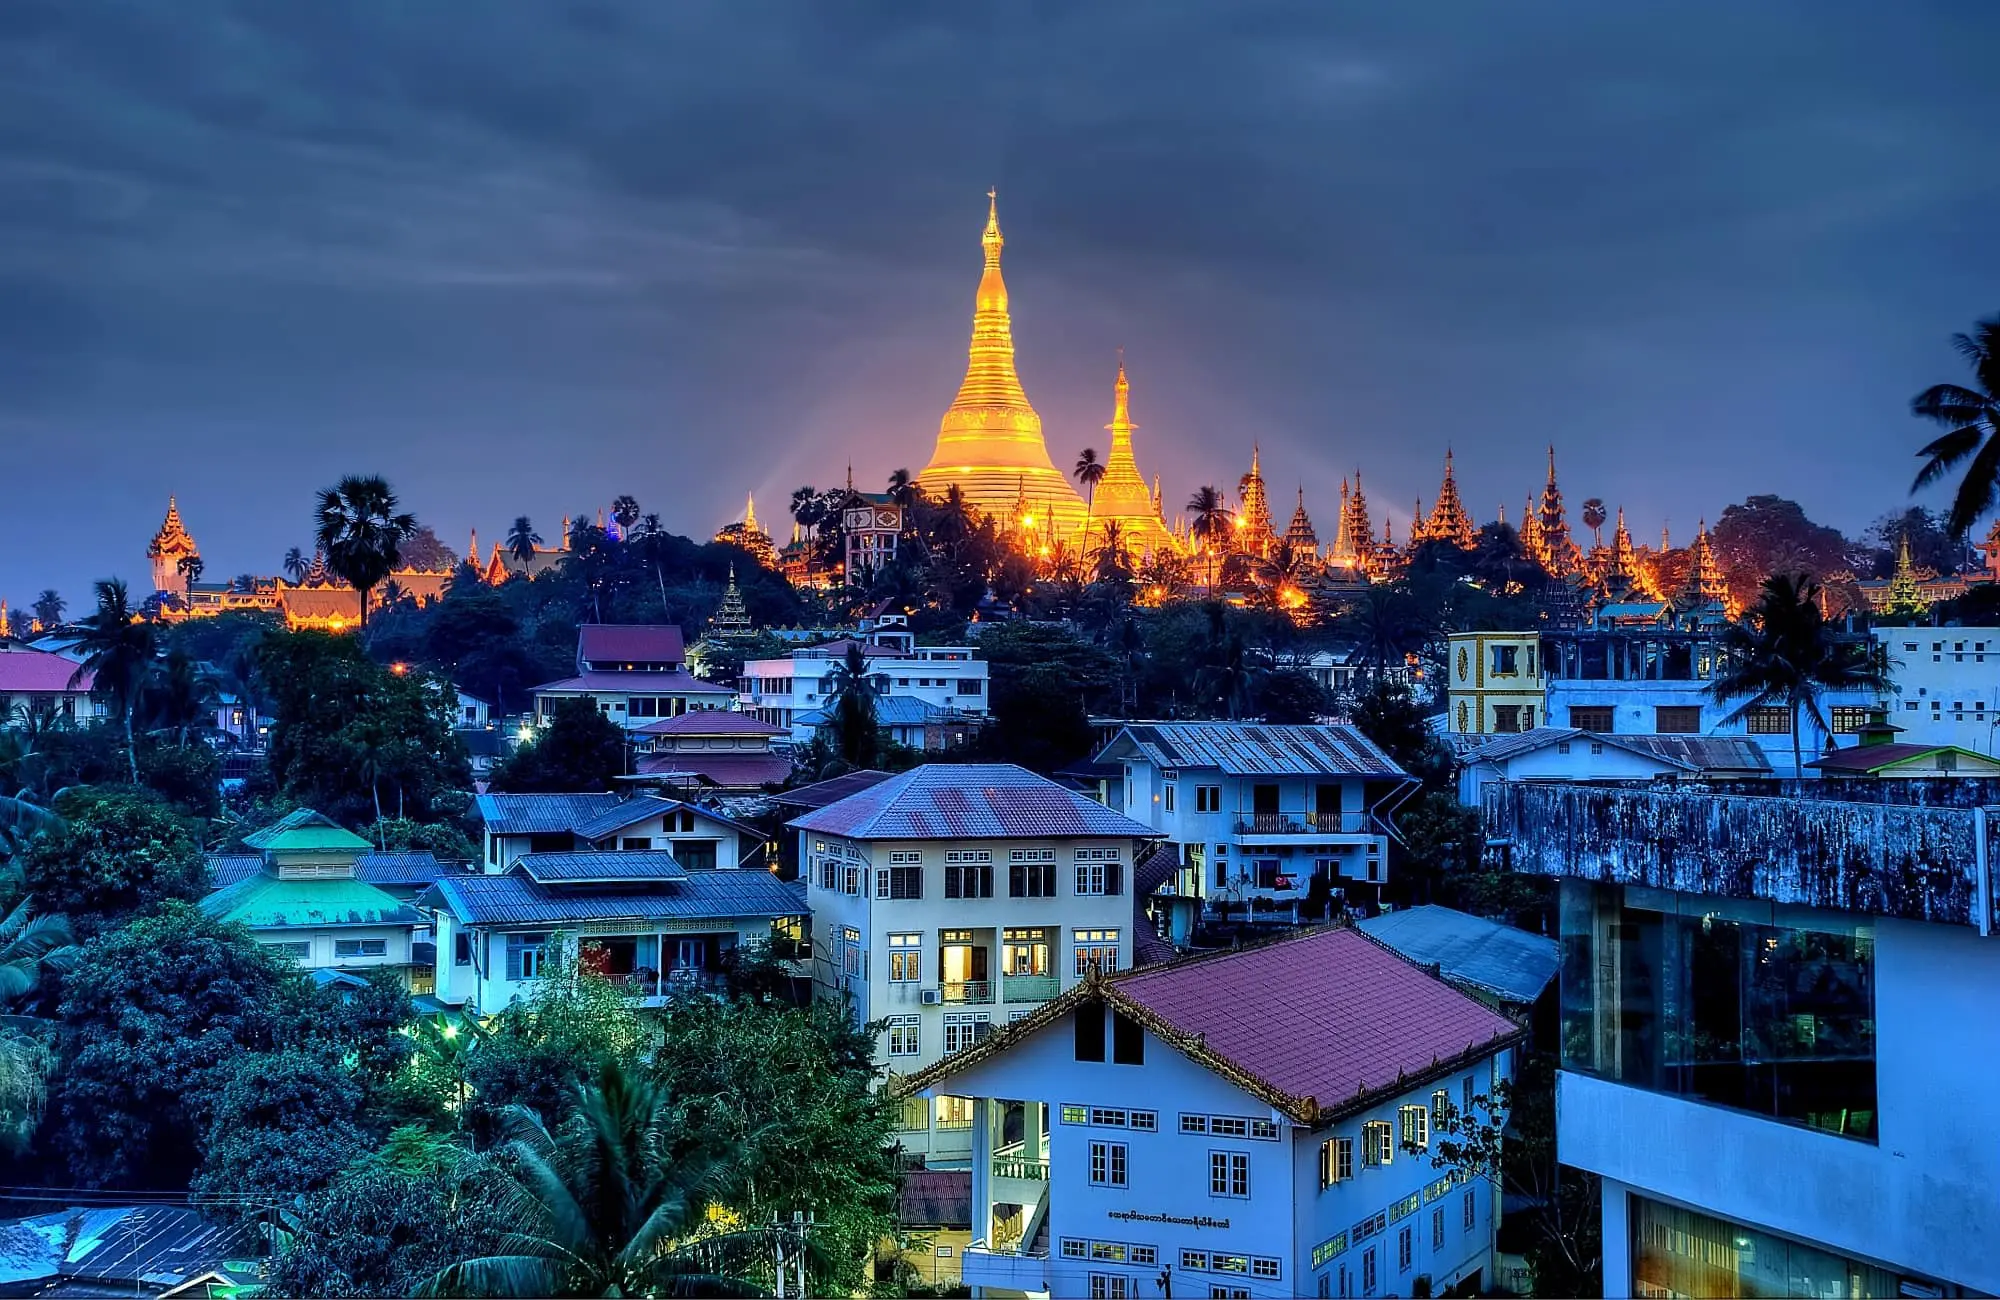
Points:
[[990, 444]]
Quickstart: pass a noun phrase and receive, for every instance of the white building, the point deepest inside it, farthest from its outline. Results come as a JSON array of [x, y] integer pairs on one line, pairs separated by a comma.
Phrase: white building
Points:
[[1567, 754], [515, 824], [784, 691], [1767, 1048], [1944, 684], [1256, 811], [1259, 1123], [634, 674], [33, 680], [955, 897]]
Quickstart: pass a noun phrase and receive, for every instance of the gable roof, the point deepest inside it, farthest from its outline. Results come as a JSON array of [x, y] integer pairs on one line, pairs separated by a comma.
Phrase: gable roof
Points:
[[739, 771], [139, 1249], [1683, 753], [968, 800], [710, 722], [266, 903], [1492, 956], [304, 831], [541, 814], [630, 643], [1357, 1023], [821, 793], [24, 669], [517, 899], [636, 809], [599, 682], [600, 868], [890, 711], [1876, 758], [1252, 749]]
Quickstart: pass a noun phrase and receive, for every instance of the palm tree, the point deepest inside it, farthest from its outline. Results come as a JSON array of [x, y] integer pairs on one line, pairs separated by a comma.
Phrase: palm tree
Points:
[[1593, 518], [296, 563], [1783, 652], [1973, 416], [118, 657], [1111, 558], [48, 608], [625, 513], [612, 1204], [1212, 518], [903, 489], [522, 539], [1385, 625], [857, 736], [362, 532], [190, 568], [179, 698], [27, 944], [1089, 472]]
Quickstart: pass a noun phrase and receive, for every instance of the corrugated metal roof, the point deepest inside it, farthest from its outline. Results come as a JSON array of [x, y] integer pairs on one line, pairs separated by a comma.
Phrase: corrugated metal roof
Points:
[[541, 814], [968, 801], [724, 771], [515, 899], [675, 682], [414, 868], [25, 669], [303, 830], [890, 711], [581, 868], [225, 869], [265, 903], [1490, 955], [630, 643], [710, 722], [1253, 749], [832, 790], [617, 818], [1688, 753]]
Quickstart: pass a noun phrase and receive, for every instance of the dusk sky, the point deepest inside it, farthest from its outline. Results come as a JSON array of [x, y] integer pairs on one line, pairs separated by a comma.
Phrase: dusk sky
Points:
[[520, 258]]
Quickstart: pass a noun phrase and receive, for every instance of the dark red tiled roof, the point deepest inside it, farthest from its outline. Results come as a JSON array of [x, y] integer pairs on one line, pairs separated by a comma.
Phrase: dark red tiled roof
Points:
[[936, 1198], [967, 800], [630, 643], [835, 788], [23, 669], [730, 771], [1328, 1016], [710, 722], [1868, 758], [677, 682]]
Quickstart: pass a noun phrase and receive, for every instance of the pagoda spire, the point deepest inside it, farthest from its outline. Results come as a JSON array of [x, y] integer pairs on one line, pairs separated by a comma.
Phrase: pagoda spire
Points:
[[1905, 596], [1255, 534], [1299, 535], [1705, 585], [750, 513], [1559, 552], [1448, 521], [1121, 495]]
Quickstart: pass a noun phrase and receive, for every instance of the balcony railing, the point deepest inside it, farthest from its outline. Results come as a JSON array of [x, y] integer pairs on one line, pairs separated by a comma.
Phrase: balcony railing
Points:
[[974, 992], [1017, 1167], [1029, 988], [1305, 823]]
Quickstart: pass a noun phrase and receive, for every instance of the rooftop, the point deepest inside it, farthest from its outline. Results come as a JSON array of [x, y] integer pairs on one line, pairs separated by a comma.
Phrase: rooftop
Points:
[[821, 793], [600, 868], [1735, 754], [1864, 760], [968, 801], [379, 869], [266, 903], [710, 722], [540, 814], [517, 899], [890, 711], [305, 831], [1357, 1023], [739, 771], [1252, 749], [607, 644], [1490, 956], [677, 681], [138, 1249], [24, 669]]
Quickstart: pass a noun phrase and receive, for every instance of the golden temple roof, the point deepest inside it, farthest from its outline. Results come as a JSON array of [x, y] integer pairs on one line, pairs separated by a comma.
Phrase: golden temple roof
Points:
[[1122, 495], [172, 541]]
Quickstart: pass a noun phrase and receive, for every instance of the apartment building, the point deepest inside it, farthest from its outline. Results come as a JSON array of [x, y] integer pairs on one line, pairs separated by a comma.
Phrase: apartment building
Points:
[[1944, 684], [953, 898], [1494, 683], [1772, 1010], [796, 692], [1258, 1123], [634, 674]]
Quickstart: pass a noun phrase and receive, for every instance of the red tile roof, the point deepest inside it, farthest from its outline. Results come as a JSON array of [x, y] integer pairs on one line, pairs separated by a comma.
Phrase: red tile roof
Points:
[[730, 771], [606, 644], [677, 682], [26, 670], [711, 722]]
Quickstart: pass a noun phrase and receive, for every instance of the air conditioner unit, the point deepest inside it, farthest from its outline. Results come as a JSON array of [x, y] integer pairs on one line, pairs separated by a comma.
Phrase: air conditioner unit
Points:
[[932, 997]]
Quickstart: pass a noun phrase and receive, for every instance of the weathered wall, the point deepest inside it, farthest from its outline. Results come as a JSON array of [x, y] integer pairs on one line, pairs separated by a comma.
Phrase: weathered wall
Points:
[[1918, 863]]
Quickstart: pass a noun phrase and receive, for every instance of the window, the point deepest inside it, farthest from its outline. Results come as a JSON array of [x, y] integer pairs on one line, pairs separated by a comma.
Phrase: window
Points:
[[1216, 1292], [1471, 1212], [1098, 871], [1194, 1261], [299, 951], [1228, 1126], [903, 882], [1378, 1143], [1846, 719], [461, 949], [968, 880], [1096, 950], [850, 943], [524, 956], [1167, 798], [1507, 719], [1685, 1252], [1109, 1286], [971, 686], [1440, 1108], [1336, 1161], [903, 1036], [1405, 1251], [906, 958], [629, 843], [1768, 720], [1264, 1266], [360, 948], [1368, 1271], [1739, 1003], [1031, 855], [1208, 798], [914, 1115], [1194, 1123], [1228, 1173], [1031, 880], [851, 880], [1089, 1020], [1107, 1164], [964, 1028], [1146, 1255], [1415, 1122], [1591, 717], [1506, 661], [1677, 719], [1128, 1041], [1264, 1130], [1437, 1230], [1465, 1093], [1113, 1251], [954, 1112]]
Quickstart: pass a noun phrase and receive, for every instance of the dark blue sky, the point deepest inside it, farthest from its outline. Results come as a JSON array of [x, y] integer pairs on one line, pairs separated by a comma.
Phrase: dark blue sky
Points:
[[522, 257]]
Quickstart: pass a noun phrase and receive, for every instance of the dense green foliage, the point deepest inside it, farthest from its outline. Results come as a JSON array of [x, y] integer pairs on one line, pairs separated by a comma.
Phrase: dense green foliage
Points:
[[114, 853], [580, 750]]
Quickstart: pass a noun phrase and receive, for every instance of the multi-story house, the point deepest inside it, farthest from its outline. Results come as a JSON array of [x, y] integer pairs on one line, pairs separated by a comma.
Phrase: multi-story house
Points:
[[1182, 1130], [1773, 1010], [1944, 684], [955, 897], [1258, 812], [712, 749], [1567, 754], [1495, 683], [515, 824], [33, 680], [634, 674], [794, 692]]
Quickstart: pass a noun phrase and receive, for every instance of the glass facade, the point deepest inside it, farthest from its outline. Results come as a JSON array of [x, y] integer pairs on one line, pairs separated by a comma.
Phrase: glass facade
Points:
[[1678, 1253], [1756, 1006]]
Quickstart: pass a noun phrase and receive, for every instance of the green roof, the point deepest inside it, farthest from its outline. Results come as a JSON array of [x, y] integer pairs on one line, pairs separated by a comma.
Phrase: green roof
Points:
[[306, 831], [265, 903]]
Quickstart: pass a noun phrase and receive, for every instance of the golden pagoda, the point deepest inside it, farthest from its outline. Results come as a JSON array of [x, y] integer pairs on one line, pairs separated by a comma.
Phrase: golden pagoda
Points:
[[1558, 551], [1360, 530], [1905, 596], [989, 443], [1448, 521], [169, 547], [1254, 532], [1705, 585], [1121, 496], [1299, 535]]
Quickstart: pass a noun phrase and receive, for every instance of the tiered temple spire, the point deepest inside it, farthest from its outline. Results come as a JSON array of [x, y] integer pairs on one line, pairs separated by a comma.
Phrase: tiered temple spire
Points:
[[1558, 552], [1299, 534], [1705, 585], [732, 617], [1905, 595], [1255, 534], [169, 547], [1360, 529], [1121, 496], [1448, 521]]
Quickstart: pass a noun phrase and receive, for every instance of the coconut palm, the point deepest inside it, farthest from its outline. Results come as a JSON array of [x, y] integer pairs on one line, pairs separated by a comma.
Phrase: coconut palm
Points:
[[612, 1204], [625, 513], [190, 568], [296, 563], [48, 608], [118, 655], [1594, 516], [362, 532], [1212, 520], [1111, 558], [1783, 652], [522, 539], [1386, 625], [856, 734], [1973, 416], [903, 489], [179, 698], [1089, 473]]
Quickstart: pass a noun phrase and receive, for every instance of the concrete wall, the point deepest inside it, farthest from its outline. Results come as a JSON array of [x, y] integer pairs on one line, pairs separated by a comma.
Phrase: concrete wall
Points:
[[1945, 684], [1609, 763], [1633, 705], [1922, 1199], [320, 946]]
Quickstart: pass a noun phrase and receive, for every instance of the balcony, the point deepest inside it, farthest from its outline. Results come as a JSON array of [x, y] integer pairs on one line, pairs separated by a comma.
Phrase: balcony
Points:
[[1007, 1267], [968, 993], [1029, 988], [1019, 1167], [1306, 824]]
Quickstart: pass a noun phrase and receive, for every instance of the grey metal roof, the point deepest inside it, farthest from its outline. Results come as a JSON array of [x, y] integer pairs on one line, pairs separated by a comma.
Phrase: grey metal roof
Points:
[[419, 867], [1688, 753], [821, 793], [890, 711], [636, 809], [541, 814], [225, 869], [1489, 955], [516, 899], [1253, 749], [968, 801], [583, 868]]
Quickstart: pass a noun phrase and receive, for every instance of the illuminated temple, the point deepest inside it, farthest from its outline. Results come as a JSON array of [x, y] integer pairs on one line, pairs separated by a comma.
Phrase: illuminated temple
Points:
[[990, 443], [1122, 496]]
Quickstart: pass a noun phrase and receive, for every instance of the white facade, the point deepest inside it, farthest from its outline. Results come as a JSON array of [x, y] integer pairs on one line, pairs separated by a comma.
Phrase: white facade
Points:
[[1231, 1208], [1580, 759], [1685, 708], [1944, 685], [482, 968], [347, 947], [781, 691], [693, 835]]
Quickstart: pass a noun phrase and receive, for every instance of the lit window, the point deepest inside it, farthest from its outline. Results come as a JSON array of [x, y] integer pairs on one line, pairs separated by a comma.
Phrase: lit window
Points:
[[1416, 1126], [906, 958]]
